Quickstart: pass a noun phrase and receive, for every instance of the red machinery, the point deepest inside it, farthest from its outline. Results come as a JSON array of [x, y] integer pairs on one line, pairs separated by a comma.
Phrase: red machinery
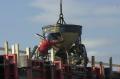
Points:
[[8, 67]]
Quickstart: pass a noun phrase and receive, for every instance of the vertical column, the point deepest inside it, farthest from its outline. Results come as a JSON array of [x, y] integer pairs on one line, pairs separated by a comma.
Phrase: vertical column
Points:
[[17, 53], [28, 53], [5, 68], [52, 64], [52, 55], [102, 74], [93, 67], [68, 62], [93, 62], [13, 49], [29, 65], [110, 63], [6, 47]]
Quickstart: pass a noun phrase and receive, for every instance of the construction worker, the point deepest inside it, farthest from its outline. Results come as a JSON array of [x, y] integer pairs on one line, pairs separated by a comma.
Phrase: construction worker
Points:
[[50, 40]]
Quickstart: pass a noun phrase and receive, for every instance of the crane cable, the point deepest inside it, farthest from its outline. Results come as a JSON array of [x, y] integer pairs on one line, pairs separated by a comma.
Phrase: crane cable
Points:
[[61, 18]]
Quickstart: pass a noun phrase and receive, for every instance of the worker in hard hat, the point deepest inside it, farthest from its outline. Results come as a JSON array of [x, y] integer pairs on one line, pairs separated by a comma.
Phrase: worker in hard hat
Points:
[[51, 39], [47, 43]]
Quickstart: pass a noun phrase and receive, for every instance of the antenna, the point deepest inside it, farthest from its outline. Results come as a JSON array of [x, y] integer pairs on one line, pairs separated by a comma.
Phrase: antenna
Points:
[[61, 18]]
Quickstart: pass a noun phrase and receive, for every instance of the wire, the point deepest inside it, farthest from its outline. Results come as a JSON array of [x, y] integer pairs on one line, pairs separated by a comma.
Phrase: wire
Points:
[[61, 18]]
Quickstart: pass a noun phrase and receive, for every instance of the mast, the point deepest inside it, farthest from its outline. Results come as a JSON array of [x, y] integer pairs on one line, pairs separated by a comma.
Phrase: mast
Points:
[[61, 18]]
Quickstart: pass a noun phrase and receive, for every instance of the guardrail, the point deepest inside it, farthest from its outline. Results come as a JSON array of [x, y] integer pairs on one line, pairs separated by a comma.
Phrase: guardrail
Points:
[[22, 55]]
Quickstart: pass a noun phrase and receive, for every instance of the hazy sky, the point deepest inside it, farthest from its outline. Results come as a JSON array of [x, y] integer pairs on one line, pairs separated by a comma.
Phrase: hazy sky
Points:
[[21, 19]]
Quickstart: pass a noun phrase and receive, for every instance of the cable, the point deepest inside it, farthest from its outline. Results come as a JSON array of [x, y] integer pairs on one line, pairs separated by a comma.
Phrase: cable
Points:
[[61, 18]]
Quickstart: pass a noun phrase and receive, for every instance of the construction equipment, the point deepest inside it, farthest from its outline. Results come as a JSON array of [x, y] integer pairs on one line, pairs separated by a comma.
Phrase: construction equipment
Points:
[[71, 51]]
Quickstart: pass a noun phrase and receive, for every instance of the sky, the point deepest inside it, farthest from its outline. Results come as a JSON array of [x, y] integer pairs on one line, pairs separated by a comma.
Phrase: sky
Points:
[[21, 19]]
